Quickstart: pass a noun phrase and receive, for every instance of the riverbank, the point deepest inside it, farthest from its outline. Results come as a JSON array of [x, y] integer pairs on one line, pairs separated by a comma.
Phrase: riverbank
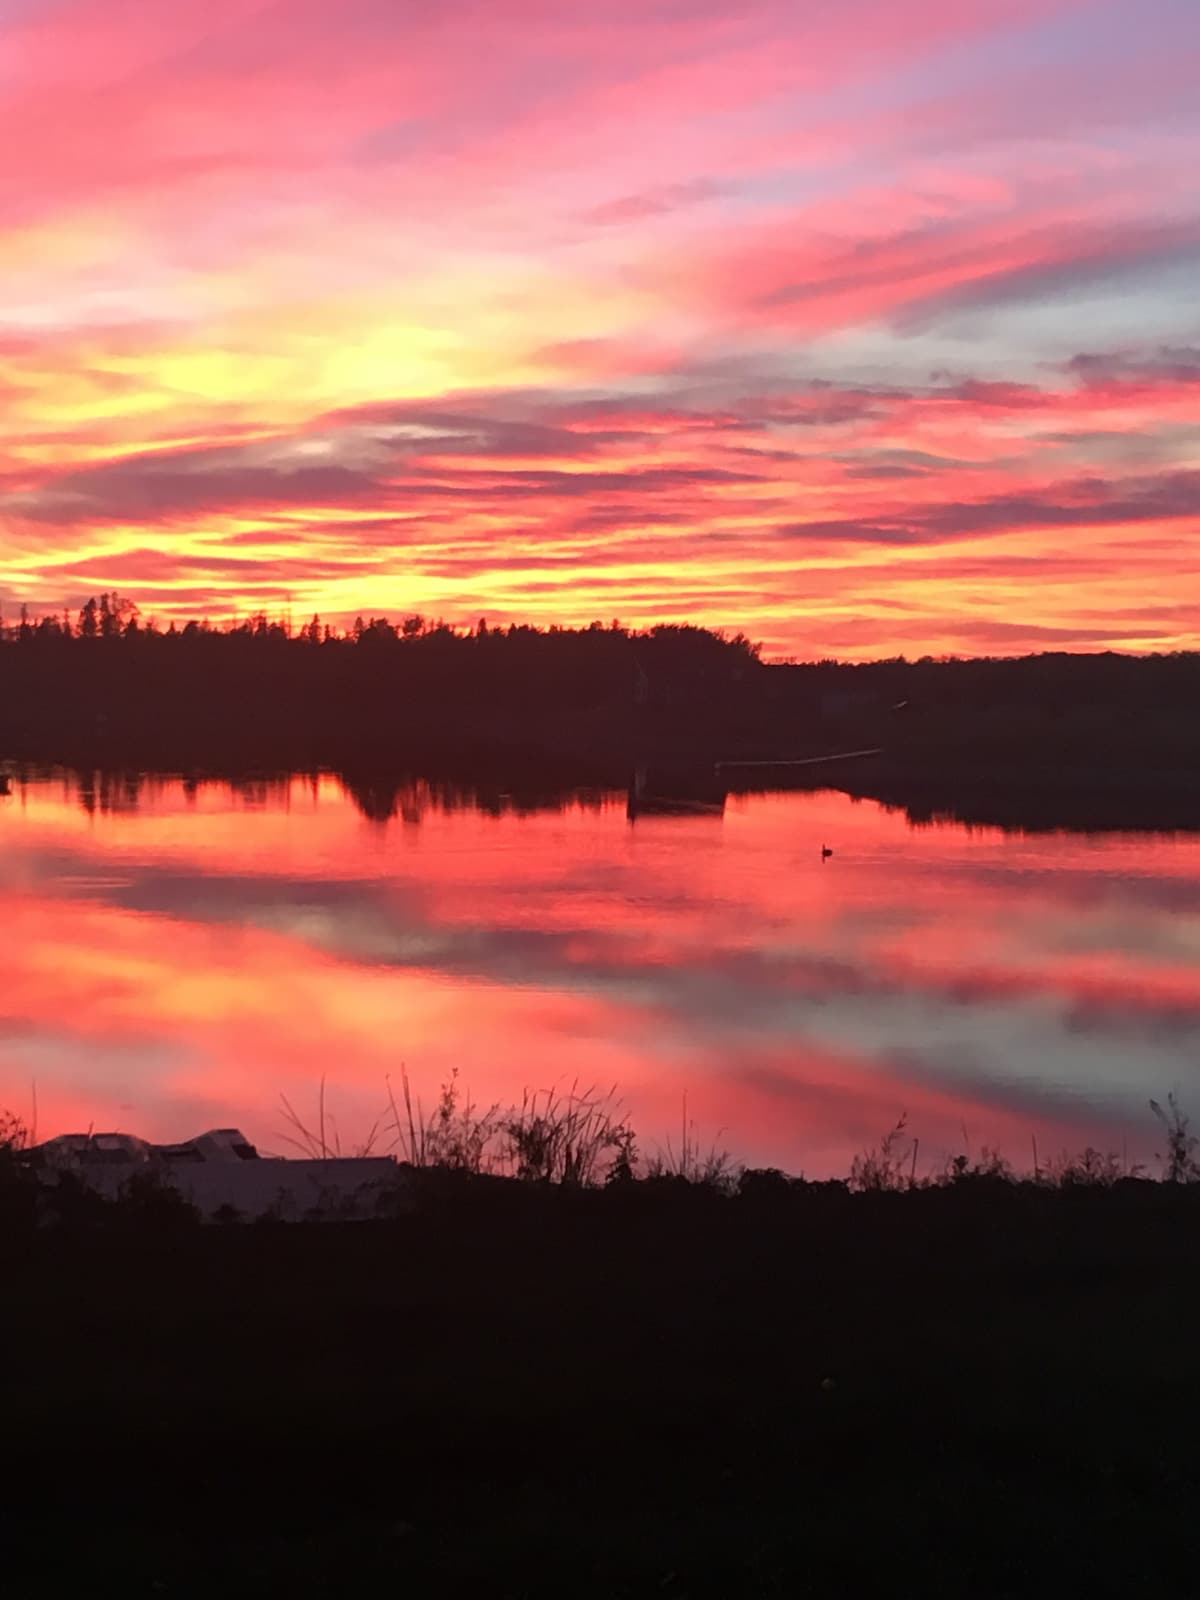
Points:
[[982, 1388], [1047, 799]]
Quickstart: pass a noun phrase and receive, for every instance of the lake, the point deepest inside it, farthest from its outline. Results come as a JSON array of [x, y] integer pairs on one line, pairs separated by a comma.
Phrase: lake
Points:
[[180, 955]]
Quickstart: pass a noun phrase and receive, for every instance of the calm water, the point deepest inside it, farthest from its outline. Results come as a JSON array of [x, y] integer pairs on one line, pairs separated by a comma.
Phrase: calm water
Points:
[[175, 958]]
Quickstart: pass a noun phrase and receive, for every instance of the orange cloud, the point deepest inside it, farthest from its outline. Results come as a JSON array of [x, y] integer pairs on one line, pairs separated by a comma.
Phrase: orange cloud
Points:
[[695, 309]]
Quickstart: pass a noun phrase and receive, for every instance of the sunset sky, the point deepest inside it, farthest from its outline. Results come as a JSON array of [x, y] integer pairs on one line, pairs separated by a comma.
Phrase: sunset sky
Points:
[[868, 327]]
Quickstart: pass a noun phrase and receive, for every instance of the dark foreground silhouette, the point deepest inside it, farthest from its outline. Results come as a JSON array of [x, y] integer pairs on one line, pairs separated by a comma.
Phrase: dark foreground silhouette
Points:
[[981, 1387]]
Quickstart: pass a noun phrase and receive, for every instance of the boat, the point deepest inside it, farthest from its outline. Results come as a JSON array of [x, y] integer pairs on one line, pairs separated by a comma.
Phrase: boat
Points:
[[661, 792]]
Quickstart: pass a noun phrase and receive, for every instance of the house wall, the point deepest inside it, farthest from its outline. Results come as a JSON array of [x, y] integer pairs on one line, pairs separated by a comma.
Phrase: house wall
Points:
[[290, 1190]]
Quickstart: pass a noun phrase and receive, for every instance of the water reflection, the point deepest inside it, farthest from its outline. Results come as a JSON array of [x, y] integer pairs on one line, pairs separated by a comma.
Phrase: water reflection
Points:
[[380, 797], [177, 953], [656, 788]]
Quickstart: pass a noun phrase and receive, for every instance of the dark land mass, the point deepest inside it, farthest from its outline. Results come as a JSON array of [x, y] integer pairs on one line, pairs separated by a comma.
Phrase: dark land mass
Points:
[[989, 1389], [1048, 741], [498, 787], [1166, 802]]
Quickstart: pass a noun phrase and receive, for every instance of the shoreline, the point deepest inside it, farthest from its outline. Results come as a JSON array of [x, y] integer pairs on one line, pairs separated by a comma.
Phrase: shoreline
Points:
[[1037, 797]]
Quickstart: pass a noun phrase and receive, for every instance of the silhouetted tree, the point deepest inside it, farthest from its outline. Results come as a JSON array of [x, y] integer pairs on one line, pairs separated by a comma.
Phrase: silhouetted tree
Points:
[[246, 685]]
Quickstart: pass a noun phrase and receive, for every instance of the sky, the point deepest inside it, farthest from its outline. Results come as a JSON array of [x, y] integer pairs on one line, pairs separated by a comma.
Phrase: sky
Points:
[[869, 328]]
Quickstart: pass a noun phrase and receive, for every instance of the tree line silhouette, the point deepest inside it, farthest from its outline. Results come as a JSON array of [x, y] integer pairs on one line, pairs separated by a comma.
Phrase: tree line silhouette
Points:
[[107, 678], [112, 616], [107, 685]]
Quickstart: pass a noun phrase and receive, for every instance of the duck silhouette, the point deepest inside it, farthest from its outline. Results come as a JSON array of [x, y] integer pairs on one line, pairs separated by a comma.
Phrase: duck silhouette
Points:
[[826, 852]]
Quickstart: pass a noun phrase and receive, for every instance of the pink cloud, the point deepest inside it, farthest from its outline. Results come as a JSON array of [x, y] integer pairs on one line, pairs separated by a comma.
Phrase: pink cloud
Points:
[[629, 309]]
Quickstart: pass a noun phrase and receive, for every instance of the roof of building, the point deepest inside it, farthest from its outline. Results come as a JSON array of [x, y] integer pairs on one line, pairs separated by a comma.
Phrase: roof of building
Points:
[[217, 1145]]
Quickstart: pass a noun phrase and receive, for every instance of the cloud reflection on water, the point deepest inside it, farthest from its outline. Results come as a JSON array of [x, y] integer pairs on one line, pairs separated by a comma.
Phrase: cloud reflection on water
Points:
[[184, 961]]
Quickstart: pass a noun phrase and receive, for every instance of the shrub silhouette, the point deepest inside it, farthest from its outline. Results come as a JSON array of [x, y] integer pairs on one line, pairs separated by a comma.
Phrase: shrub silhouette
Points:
[[888, 1165], [1179, 1161], [568, 1139]]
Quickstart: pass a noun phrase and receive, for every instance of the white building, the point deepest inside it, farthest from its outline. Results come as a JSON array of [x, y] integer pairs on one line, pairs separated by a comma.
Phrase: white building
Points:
[[221, 1173]]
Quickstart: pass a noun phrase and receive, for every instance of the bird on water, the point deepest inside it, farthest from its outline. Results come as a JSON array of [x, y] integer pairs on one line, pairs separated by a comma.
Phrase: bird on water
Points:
[[826, 852]]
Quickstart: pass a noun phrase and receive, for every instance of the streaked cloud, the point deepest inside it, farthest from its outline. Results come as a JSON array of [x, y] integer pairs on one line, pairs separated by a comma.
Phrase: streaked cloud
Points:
[[518, 310]]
